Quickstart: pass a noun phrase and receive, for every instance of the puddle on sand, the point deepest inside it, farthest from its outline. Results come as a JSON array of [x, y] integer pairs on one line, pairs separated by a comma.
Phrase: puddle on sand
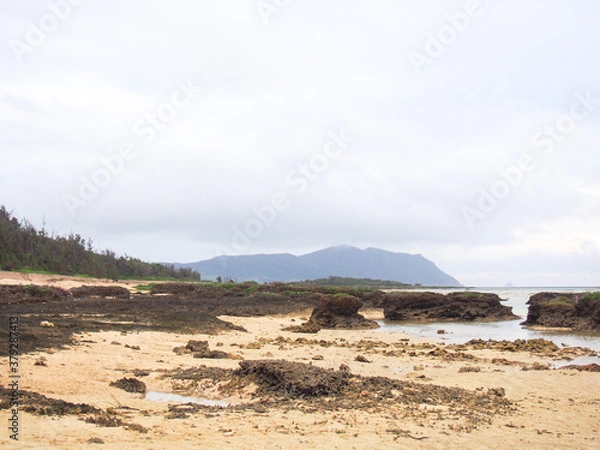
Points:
[[164, 397]]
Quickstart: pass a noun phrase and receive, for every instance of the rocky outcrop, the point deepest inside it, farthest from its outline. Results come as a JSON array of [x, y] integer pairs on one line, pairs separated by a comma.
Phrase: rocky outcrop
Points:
[[456, 306], [338, 311], [100, 291], [294, 378], [576, 311]]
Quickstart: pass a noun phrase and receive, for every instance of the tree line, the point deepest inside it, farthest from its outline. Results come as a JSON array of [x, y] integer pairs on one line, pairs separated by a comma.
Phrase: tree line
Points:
[[24, 248]]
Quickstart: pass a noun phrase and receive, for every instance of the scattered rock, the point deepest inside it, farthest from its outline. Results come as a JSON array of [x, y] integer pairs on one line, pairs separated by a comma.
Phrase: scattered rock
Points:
[[199, 349], [95, 440], [182, 350], [498, 392], [307, 327], [132, 347], [418, 368], [361, 358], [587, 368], [466, 369], [197, 346], [254, 345], [537, 366], [115, 343], [318, 358], [441, 331], [132, 385], [538, 346], [212, 354], [45, 323], [41, 361]]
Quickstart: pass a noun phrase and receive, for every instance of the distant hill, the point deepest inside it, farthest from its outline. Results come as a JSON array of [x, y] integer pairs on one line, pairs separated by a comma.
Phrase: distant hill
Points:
[[342, 261]]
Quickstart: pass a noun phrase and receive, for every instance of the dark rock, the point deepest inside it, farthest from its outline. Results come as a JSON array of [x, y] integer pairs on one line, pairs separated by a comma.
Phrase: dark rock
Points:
[[295, 379], [200, 350], [536, 366], [212, 354], [41, 362], [182, 350], [339, 311], [38, 404], [361, 358], [100, 291], [456, 306], [197, 346], [307, 327], [593, 367], [498, 392], [577, 311], [130, 385]]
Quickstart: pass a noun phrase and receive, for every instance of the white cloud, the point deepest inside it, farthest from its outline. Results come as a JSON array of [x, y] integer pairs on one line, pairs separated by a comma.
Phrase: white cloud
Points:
[[423, 145]]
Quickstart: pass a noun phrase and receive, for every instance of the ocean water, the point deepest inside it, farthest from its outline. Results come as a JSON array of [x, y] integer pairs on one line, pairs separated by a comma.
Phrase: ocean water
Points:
[[458, 333]]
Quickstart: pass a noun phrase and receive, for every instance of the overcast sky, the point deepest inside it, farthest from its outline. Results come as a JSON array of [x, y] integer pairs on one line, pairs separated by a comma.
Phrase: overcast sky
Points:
[[178, 131]]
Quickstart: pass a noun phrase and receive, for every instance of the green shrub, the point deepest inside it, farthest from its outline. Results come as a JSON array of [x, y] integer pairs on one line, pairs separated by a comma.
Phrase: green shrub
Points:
[[591, 296]]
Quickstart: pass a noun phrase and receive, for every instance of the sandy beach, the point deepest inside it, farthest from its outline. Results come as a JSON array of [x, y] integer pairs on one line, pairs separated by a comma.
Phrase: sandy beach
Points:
[[412, 393]]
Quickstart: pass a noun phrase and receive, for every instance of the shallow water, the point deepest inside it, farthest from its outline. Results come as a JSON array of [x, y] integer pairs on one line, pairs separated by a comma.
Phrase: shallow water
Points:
[[164, 397], [459, 333]]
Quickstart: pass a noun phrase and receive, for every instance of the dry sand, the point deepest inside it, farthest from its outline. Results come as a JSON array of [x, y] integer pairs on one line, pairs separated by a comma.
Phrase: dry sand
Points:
[[62, 281], [551, 409]]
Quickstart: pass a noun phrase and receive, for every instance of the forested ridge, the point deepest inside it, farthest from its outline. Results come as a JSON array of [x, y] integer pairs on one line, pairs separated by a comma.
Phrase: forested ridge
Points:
[[24, 248]]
